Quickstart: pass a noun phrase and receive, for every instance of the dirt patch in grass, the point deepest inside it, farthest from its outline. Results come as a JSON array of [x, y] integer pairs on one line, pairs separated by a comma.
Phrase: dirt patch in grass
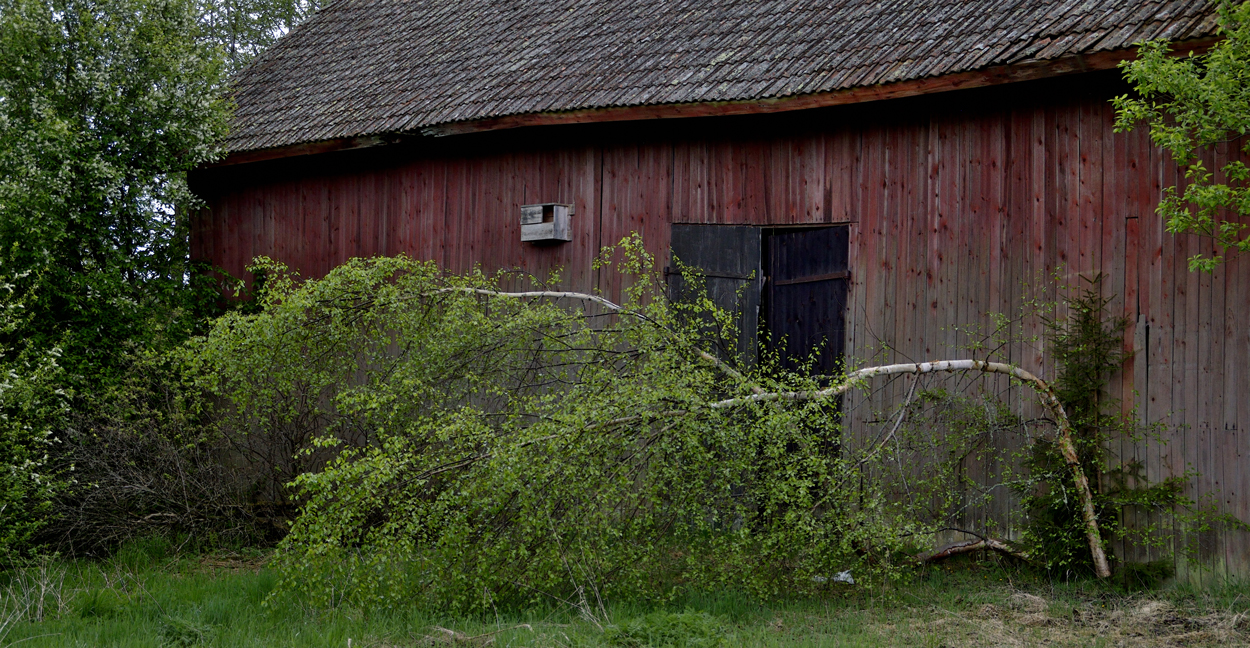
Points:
[[1031, 620], [233, 562]]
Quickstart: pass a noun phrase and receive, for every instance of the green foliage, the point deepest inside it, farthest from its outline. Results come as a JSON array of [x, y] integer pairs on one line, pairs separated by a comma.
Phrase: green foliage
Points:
[[949, 455], [1088, 349], [30, 405], [1192, 103], [466, 448], [669, 630], [104, 105]]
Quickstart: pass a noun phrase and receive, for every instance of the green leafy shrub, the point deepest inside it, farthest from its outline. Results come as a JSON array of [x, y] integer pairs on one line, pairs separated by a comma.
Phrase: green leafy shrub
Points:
[[1192, 104], [30, 407], [463, 447], [1088, 347]]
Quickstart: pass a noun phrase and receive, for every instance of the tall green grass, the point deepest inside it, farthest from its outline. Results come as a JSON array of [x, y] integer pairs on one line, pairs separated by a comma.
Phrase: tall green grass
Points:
[[148, 595]]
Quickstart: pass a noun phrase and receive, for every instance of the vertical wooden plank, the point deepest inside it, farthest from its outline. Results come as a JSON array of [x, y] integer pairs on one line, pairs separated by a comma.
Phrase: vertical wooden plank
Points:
[[335, 198], [1186, 347], [1068, 192], [367, 244], [998, 293], [430, 211], [273, 236], [398, 191], [1141, 251], [689, 195], [636, 198], [871, 179], [1171, 317], [1110, 226], [1123, 261], [913, 218], [726, 184], [229, 237], [1236, 413], [1019, 250], [1211, 406], [579, 186], [455, 212], [1089, 208], [1041, 229], [776, 167], [753, 159], [310, 255], [945, 245], [841, 149], [405, 227], [810, 203], [841, 146]]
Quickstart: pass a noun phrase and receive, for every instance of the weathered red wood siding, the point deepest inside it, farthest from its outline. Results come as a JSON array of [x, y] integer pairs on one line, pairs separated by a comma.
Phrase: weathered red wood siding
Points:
[[960, 205]]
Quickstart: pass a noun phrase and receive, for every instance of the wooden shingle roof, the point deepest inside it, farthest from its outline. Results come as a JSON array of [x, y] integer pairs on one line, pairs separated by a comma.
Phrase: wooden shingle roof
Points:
[[367, 67]]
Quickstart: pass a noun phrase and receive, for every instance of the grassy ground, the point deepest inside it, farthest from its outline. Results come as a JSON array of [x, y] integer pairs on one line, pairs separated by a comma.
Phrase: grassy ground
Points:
[[143, 598]]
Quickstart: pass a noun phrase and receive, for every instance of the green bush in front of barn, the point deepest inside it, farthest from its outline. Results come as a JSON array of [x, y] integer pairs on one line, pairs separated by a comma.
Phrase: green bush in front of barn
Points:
[[469, 448]]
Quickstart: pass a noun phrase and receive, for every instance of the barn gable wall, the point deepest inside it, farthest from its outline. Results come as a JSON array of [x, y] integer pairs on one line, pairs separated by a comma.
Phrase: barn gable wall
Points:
[[959, 205]]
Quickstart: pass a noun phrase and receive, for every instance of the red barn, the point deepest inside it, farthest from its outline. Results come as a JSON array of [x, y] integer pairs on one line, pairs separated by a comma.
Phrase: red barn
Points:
[[897, 169]]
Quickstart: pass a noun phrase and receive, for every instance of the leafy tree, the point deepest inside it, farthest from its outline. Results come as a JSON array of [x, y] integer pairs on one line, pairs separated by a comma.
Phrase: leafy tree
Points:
[[104, 105], [1192, 103], [29, 404], [244, 28]]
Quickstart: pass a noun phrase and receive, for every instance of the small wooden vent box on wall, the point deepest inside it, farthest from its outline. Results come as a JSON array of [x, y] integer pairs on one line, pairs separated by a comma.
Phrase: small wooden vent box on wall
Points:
[[546, 222]]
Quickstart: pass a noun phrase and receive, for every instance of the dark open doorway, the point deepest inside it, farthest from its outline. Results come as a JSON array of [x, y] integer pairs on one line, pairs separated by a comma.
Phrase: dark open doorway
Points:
[[804, 296], [790, 282]]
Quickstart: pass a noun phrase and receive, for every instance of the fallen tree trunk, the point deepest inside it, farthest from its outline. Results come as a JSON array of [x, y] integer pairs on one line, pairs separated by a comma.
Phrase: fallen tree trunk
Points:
[[859, 376]]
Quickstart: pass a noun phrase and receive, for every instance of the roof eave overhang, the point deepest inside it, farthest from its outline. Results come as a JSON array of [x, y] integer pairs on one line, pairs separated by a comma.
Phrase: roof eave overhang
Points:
[[1028, 70]]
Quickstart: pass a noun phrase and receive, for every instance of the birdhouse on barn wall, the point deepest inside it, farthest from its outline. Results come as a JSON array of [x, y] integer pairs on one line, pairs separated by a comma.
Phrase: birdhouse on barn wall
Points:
[[546, 222]]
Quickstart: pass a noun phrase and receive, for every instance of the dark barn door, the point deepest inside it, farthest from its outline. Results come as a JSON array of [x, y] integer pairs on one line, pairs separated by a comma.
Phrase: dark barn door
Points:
[[729, 257], [805, 296]]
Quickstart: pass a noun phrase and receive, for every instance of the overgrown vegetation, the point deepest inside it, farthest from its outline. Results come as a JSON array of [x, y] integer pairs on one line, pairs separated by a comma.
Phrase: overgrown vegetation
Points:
[[462, 446], [30, 404], [104, 107], [1088, 347], [147, 596], [469, 448], [1192, 105]]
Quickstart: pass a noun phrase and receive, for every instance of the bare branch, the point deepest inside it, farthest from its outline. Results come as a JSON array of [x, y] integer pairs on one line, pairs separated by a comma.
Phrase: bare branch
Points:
[[970, 546]]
